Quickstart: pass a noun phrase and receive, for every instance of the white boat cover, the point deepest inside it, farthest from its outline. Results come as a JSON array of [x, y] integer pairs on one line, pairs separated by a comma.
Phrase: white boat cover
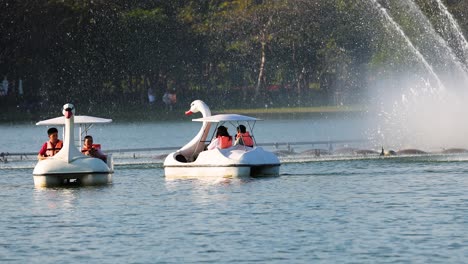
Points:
[[226, 118], [78, 120]]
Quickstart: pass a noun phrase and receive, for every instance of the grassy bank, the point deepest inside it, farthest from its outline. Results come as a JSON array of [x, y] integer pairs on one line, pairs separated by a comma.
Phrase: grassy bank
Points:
[[293, 110], [146, 114]]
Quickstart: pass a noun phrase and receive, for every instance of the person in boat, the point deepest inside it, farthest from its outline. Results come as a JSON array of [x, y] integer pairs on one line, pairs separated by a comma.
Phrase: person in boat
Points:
[[93, 150], [243, 137], [223, 139], [52, 146]]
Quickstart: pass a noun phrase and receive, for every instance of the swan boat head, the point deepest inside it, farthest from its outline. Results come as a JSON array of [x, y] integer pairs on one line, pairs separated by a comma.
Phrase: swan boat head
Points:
[[68, 110], [69, 152], [197, 144], [199, 106]]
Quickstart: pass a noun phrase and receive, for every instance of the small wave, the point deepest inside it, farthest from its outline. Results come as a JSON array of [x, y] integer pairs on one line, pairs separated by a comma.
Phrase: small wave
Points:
[[16, 167]]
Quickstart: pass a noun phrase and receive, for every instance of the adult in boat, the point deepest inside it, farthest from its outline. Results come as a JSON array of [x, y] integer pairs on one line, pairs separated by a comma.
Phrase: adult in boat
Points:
[[52, 146], [223, 139], [243, 137], [92, 150]]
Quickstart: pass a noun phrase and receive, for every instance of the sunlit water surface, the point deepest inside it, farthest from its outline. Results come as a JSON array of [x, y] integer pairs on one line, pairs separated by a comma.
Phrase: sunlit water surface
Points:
[[411, 209]]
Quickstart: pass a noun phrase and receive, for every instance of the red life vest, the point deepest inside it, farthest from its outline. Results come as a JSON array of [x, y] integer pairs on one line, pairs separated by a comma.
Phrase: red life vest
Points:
[[52, 150], [94, 146], [246, 139], [224, 142]]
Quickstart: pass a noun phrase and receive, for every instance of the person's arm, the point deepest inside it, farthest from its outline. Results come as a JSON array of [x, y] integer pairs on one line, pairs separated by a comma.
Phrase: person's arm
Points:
[[42, 152], [100, 154], [238, 141], [213, 144]]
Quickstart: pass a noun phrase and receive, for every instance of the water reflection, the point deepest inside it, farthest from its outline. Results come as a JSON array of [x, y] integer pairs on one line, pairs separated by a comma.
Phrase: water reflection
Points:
[[54, 198], [64, 197], [203, 190], [198, 182]]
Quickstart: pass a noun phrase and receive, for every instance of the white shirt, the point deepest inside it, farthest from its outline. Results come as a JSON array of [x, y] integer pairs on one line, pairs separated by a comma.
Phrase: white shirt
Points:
[[214, 144]]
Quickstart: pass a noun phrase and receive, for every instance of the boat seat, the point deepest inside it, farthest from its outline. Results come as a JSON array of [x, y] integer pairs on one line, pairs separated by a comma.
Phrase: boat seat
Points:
[[180, 158]]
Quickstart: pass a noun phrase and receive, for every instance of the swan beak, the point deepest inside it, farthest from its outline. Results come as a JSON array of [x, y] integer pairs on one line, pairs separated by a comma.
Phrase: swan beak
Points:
[[188, 112]]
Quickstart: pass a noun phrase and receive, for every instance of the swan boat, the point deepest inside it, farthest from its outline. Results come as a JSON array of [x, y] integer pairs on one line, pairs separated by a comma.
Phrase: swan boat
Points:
[[69, 165], [192, 161]]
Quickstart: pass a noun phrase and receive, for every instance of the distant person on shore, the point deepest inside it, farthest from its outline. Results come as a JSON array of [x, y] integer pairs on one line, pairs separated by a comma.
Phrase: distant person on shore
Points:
[[169, 99], [243, 137], [223, 139], [92, 150], [52, 146], [151, 96]]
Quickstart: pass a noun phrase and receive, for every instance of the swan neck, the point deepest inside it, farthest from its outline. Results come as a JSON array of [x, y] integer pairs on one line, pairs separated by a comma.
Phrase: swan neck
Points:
[[196, 145], [69, 132], [205, 112]]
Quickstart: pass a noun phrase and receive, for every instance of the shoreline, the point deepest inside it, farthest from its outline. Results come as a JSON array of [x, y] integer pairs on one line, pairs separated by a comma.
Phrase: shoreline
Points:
[[151, 115]]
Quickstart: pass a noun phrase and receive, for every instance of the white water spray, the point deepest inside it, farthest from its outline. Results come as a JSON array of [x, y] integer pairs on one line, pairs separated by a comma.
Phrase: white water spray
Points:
[[429, 28], [456, 28], [409, 43], [411, 113]]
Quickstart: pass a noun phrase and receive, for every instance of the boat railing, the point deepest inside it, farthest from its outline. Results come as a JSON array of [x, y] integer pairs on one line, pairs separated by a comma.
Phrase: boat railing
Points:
[[330, 144]]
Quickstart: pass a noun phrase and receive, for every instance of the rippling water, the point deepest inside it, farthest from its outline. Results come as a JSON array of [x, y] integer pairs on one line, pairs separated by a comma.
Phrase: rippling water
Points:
[[411, 209]]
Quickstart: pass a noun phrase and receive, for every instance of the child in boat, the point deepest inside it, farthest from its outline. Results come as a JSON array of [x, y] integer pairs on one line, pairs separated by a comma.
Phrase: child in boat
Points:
[[52, 146], [223, 139], [243, 137], [93, 150]]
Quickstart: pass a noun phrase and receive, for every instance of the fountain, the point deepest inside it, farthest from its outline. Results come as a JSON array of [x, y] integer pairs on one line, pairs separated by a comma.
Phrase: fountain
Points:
[[443, 50], [414, 109], [452, 31], [416, 52]]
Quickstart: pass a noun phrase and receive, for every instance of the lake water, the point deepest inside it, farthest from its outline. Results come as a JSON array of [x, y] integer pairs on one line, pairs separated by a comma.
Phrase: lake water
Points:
[[327, 209]]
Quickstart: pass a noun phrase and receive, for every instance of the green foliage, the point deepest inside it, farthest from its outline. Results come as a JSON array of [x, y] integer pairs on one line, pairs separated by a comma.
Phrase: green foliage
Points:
[[109, 53]]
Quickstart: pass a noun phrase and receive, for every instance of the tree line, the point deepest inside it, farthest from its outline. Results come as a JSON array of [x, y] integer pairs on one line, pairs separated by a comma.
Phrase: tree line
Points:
[[109, 55]]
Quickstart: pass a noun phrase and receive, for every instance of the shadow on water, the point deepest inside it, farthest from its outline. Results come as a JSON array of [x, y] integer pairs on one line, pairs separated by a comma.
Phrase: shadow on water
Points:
[[72, 186]]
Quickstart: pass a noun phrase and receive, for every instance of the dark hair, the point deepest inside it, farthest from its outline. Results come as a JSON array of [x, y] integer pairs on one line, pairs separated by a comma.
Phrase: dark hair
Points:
[[88, 137], [51, 131], [241, 128], [222, 131]]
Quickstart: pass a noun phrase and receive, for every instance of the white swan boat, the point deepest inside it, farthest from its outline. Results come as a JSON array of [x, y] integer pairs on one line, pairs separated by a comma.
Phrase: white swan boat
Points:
[[69, 165], [192, 161]]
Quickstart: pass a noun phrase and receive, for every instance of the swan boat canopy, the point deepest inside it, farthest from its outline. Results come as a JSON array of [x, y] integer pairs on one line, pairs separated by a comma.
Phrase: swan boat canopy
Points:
[[192, 160], [69, 165]]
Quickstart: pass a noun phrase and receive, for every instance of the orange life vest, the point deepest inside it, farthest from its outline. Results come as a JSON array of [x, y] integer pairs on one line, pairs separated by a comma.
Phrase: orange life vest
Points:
[[224, 142], [94, 146], [52, 150], [246, 139]]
